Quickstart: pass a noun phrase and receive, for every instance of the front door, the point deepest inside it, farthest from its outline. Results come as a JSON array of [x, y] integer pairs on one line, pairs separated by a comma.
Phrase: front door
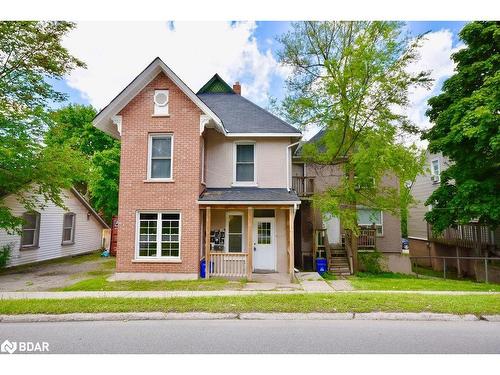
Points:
[[264, 244]]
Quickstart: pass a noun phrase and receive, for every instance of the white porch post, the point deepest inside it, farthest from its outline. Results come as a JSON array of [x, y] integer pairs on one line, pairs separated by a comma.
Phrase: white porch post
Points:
[[250, 243]]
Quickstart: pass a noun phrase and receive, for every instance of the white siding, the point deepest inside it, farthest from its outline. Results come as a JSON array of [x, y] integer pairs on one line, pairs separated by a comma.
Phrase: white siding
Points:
[[422, 188], [88, 232]]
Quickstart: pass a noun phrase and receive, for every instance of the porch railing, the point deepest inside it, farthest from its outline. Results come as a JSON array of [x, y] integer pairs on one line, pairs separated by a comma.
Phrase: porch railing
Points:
[[367, 239], [303, 186], [228, 264], [473, 236]]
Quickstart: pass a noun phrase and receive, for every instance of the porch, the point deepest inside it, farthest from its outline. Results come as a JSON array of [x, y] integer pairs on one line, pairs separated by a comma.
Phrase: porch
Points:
[[243, 238]]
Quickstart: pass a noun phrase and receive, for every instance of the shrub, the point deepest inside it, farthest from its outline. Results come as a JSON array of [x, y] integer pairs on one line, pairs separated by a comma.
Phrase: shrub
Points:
[[5, 252], [370, 261]]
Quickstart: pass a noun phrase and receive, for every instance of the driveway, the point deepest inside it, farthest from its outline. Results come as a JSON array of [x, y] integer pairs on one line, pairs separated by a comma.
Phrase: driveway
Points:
[[52, 275]]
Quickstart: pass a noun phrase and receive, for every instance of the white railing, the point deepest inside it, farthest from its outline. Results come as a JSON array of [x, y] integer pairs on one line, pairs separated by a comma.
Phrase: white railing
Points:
[[228, 264]]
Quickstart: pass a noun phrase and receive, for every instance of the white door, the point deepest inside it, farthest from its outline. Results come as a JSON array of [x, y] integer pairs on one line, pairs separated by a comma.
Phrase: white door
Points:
[[264, 244], [333, 230]]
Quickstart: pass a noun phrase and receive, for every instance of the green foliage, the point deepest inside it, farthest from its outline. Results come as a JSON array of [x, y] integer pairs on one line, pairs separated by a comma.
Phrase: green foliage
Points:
[[351, 79], [73, 128], [466, 117], [31, 53], [370, 261], [5, 253]]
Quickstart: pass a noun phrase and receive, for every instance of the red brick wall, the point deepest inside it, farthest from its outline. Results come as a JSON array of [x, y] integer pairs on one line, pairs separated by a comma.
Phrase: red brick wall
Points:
[[181, 195]]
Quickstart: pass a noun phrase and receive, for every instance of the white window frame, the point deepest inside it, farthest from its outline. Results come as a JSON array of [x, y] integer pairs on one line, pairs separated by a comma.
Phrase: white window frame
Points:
[[72, 239], [36, 230], [381, 234], [156, 108], [151, 136], [158, 236], [438, 175], [235, 153], [243, 232]]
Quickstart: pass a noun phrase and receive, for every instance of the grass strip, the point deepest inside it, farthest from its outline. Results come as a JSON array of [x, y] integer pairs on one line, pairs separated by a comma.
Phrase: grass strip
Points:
[[345, 302]]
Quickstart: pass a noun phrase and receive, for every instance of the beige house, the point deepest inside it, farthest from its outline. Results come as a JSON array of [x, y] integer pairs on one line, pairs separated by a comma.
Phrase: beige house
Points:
[[54, 232]]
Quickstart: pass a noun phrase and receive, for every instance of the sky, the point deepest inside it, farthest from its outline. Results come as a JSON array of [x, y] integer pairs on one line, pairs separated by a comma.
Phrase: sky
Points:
[[115, 52]]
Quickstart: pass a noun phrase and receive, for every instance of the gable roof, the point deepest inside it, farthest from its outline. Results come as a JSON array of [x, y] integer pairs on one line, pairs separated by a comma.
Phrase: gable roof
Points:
[[103, 120], [239, 115], [87, 205]]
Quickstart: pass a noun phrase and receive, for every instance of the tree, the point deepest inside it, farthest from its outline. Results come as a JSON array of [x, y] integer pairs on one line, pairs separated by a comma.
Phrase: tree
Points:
[[466, 117], [351, 79], [72, 127], [30, 54]]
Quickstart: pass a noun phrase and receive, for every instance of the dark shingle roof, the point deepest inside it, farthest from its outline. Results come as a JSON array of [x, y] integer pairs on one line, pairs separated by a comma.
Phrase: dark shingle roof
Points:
[[248, 194], [239, 115]]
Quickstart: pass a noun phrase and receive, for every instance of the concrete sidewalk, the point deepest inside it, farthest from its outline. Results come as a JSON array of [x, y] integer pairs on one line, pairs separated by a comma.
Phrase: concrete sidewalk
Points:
[[82, 317], [212, 293]]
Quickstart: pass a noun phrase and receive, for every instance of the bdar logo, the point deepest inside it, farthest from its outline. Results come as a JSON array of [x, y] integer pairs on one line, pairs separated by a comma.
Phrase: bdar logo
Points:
[[8, 347]]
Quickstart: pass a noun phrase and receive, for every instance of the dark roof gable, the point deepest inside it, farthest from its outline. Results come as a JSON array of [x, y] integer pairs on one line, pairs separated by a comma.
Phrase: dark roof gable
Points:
[[216, 85]]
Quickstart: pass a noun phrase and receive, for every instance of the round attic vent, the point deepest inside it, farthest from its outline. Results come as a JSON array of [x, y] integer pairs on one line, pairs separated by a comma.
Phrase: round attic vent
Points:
[[161, 99]]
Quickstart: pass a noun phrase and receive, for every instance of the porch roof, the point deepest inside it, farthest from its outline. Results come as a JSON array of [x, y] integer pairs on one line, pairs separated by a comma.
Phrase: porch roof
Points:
[[249, 194]]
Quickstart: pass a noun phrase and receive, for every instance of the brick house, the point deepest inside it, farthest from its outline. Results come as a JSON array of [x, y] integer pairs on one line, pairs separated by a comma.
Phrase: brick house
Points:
[[202, 176]]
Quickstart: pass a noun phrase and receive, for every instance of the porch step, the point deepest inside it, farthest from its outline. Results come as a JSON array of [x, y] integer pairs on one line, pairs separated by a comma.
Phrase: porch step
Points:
[[339, 263]]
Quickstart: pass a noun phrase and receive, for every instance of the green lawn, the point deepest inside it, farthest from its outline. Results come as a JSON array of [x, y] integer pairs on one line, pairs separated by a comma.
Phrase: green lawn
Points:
[[342, 302], [100, 283], [395, 281]]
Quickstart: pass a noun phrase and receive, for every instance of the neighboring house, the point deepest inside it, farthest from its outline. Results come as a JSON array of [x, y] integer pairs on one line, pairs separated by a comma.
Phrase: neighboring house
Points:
[[316, 236], [54, 232], [202, 176], [471, 240]]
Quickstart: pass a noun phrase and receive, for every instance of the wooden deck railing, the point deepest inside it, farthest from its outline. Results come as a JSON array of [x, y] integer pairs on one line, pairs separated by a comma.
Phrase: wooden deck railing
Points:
[[303, 186], [228, 264], [367, 239], [473, 236]]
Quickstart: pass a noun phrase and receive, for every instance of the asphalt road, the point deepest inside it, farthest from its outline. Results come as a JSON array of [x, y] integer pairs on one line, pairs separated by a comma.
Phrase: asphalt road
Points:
[[240, 336]]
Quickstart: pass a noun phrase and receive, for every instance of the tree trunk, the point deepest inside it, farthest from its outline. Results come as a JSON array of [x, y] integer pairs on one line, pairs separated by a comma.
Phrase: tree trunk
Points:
[[354, 236]]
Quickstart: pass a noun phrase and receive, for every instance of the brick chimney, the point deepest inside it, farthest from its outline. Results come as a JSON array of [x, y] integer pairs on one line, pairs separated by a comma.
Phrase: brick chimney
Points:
[[237, 88]]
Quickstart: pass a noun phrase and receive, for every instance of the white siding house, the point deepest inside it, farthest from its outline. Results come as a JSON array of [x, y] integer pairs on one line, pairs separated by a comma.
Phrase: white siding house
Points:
[[54, 232]]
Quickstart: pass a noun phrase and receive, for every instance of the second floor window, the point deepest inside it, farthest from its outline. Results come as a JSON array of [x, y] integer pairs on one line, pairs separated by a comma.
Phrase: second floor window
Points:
[[435, 170], [31, 230], [160, 157], [245, 163]]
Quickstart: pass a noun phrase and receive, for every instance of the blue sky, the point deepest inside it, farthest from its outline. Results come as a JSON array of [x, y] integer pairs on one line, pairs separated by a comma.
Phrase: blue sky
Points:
[[243, 51]]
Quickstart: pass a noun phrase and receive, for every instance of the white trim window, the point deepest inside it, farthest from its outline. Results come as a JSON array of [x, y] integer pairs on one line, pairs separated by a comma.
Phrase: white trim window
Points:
[[368, 217], [435, 170], [160, 100], [235, 232], [68, 233], [158, 235], [244, 172], [31, 230], [160, 159]]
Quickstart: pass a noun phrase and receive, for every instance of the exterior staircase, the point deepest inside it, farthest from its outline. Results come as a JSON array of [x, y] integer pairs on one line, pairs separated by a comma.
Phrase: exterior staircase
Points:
[[338, 263]]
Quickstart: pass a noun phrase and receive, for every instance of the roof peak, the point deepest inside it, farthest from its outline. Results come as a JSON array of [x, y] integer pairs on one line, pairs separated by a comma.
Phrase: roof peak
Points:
[[216, 85]]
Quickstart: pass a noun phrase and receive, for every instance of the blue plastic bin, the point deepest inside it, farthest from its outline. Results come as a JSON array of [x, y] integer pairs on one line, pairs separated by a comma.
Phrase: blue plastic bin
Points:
[[203, 268], [321, 266]]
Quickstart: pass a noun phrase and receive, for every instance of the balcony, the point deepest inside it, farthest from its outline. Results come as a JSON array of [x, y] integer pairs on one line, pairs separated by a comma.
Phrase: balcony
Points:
[[303, 186]]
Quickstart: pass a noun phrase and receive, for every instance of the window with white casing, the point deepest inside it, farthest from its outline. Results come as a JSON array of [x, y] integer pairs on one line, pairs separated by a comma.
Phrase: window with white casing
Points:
[[160, 103], [68, 235], [435, 170], [158, 235], [244, 168], [160, 152], [368, 217], [234, 225], [31, 230]]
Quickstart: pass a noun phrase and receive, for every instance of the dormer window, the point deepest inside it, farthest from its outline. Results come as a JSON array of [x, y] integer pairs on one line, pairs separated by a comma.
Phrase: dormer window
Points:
[[160, 103]]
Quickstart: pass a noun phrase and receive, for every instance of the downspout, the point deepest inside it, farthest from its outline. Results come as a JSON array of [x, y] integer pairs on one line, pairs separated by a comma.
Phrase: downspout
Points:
[[289, 164]]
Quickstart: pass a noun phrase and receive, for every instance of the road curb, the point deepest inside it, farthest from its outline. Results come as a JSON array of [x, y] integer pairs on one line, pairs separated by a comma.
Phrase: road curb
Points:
[[81, 317]]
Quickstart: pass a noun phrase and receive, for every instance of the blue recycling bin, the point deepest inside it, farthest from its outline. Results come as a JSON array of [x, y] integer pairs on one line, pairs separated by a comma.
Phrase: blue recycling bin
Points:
[[203, 268], [321, 265]]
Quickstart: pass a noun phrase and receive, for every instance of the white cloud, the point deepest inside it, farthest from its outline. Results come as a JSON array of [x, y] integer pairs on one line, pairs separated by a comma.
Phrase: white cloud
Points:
[[435, 56], [115, 52]]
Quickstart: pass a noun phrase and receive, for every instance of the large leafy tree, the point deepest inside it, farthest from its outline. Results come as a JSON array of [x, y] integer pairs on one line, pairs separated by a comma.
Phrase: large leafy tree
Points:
[[72, 127], [352, 79], [30, 54], [466, 117]]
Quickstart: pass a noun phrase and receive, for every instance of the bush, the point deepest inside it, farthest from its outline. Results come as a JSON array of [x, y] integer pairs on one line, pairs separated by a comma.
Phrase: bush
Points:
[[5, 252], [370, 261]]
